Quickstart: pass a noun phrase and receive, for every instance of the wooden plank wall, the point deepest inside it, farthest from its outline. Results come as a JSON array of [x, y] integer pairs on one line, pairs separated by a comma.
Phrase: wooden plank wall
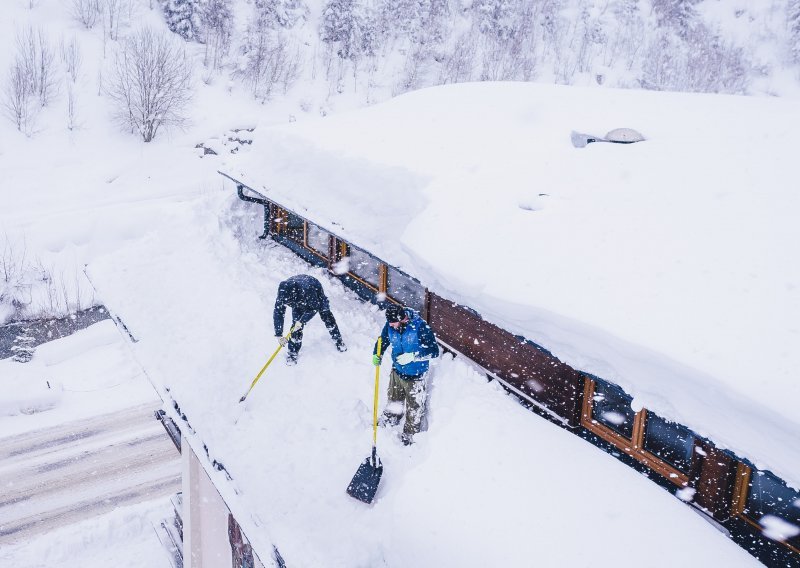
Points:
[[714, 478], [534, 372]]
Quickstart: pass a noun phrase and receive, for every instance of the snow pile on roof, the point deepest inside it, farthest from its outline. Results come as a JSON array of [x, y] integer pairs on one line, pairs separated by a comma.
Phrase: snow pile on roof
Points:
[[486, 479], [668, 266]]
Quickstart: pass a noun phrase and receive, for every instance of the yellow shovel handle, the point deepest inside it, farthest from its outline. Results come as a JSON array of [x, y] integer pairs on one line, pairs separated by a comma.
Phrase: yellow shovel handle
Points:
[[375, 403], [264, 368]]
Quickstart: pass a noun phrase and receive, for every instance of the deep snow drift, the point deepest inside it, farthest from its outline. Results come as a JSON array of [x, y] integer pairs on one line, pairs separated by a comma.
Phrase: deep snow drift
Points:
[[667, 267]]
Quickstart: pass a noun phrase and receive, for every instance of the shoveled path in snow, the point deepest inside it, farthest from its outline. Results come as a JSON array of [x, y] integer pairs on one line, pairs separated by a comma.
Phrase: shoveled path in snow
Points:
[[75, 471]]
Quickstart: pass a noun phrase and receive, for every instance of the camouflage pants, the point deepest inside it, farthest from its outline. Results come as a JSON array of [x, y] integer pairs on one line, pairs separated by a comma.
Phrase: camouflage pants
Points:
[[412, 393]]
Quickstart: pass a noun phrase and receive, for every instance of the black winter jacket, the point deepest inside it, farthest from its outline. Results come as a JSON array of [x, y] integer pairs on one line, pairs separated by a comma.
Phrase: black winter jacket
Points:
[[302, 293]]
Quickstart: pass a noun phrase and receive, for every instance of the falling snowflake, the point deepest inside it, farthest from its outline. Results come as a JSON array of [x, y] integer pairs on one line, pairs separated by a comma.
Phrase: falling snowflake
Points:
[[778, 529]]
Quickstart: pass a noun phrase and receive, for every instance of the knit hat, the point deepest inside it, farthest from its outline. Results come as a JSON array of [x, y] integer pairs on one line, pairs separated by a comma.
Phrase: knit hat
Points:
[[395, 313]]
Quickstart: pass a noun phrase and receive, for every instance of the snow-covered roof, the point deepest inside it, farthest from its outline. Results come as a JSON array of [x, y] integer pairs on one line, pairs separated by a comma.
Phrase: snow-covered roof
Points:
[[667, 266]]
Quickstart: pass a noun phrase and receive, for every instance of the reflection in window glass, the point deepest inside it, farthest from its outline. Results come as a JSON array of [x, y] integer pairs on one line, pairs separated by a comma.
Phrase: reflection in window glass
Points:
[[775, 506], [670, 441], [405, 290], [612, 408], [317, 239], [288, 225], [294, 227], [365, 267]]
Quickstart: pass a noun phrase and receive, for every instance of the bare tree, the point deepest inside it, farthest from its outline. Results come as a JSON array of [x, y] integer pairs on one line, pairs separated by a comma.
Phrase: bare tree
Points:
[[270, 60], [71, 58], [457, 66], [15, 287], [71, 108], [86, 12], [112, 12], [17, 98], [151, 83], [218, 28], [36, 56]]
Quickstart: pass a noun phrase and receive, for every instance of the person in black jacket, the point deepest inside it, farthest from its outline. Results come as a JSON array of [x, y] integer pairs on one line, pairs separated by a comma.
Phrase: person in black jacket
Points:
[[305, 296]]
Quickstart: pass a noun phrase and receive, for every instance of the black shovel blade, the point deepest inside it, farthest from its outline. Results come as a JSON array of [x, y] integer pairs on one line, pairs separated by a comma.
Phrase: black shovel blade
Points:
[[365, 482]]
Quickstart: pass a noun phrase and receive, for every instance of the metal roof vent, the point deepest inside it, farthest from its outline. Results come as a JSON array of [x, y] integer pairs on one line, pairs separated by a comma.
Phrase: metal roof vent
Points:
[[624, 136], [617, 136]]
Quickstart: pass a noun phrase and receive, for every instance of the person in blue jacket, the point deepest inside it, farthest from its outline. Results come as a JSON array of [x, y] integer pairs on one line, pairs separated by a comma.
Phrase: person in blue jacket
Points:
[[413, 346], [304, 294]]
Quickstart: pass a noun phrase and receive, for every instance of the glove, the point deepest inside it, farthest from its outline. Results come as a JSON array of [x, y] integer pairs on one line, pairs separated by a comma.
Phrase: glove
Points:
[[404, 358], [282, 340], [376, 360]]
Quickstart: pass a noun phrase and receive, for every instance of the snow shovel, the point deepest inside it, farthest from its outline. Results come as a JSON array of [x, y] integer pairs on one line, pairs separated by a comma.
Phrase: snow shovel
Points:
[[264, 368], [365, 482]]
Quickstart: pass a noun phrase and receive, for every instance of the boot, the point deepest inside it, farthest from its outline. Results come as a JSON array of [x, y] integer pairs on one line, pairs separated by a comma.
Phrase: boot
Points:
[[388, 419], [341, 346], [291, 358]]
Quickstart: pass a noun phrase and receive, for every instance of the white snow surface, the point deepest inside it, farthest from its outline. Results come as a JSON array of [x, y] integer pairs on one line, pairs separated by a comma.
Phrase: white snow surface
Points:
[[693, 227], [487, 477], [124, 537], [668, 267], [90, 372]]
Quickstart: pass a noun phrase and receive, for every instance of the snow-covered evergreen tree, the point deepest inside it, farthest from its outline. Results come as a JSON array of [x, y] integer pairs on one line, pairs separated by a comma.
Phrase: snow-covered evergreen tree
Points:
[[679, 15], [185, 18], [349, 27], [496, 18], [280, 13], [23, 346], [793, 19]]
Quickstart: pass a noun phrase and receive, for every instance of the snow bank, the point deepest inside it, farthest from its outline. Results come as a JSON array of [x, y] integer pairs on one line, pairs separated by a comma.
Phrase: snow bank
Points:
[[28, 388]]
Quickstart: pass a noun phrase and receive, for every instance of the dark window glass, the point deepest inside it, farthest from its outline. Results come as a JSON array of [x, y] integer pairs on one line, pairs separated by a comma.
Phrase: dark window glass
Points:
[[612, 407], [670, 441], [775, 506], [317, 239], [405, 290], [365, 267], [289, 225], [295, 228]]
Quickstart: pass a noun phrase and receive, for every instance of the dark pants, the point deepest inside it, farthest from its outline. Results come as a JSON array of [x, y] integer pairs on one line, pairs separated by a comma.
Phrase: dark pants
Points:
[[296, 339]]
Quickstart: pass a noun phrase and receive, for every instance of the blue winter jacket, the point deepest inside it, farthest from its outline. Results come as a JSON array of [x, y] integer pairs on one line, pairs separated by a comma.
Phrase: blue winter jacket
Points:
[[417, 337]]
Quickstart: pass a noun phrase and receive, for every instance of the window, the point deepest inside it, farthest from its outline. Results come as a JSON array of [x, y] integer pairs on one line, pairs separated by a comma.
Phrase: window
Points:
[[663, 446], [612, 408], [365, 267], [405, 290], [289, 225], [773, 507], [317, 239], [669, 441]]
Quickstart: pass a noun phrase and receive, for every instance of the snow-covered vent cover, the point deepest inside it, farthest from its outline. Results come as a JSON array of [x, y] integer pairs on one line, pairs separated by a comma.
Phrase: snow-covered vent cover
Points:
[[624, 136]]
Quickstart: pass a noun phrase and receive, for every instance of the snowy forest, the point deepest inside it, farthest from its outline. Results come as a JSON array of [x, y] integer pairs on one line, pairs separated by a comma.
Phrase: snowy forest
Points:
[[367, 51]]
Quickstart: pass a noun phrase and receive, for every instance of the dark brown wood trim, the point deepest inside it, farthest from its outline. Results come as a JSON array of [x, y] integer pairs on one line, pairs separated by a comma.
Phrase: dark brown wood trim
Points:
[[632, 447], [508, 385], [383, 278], [743, 474], [741, 491], [427, 305], [364, 282]]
